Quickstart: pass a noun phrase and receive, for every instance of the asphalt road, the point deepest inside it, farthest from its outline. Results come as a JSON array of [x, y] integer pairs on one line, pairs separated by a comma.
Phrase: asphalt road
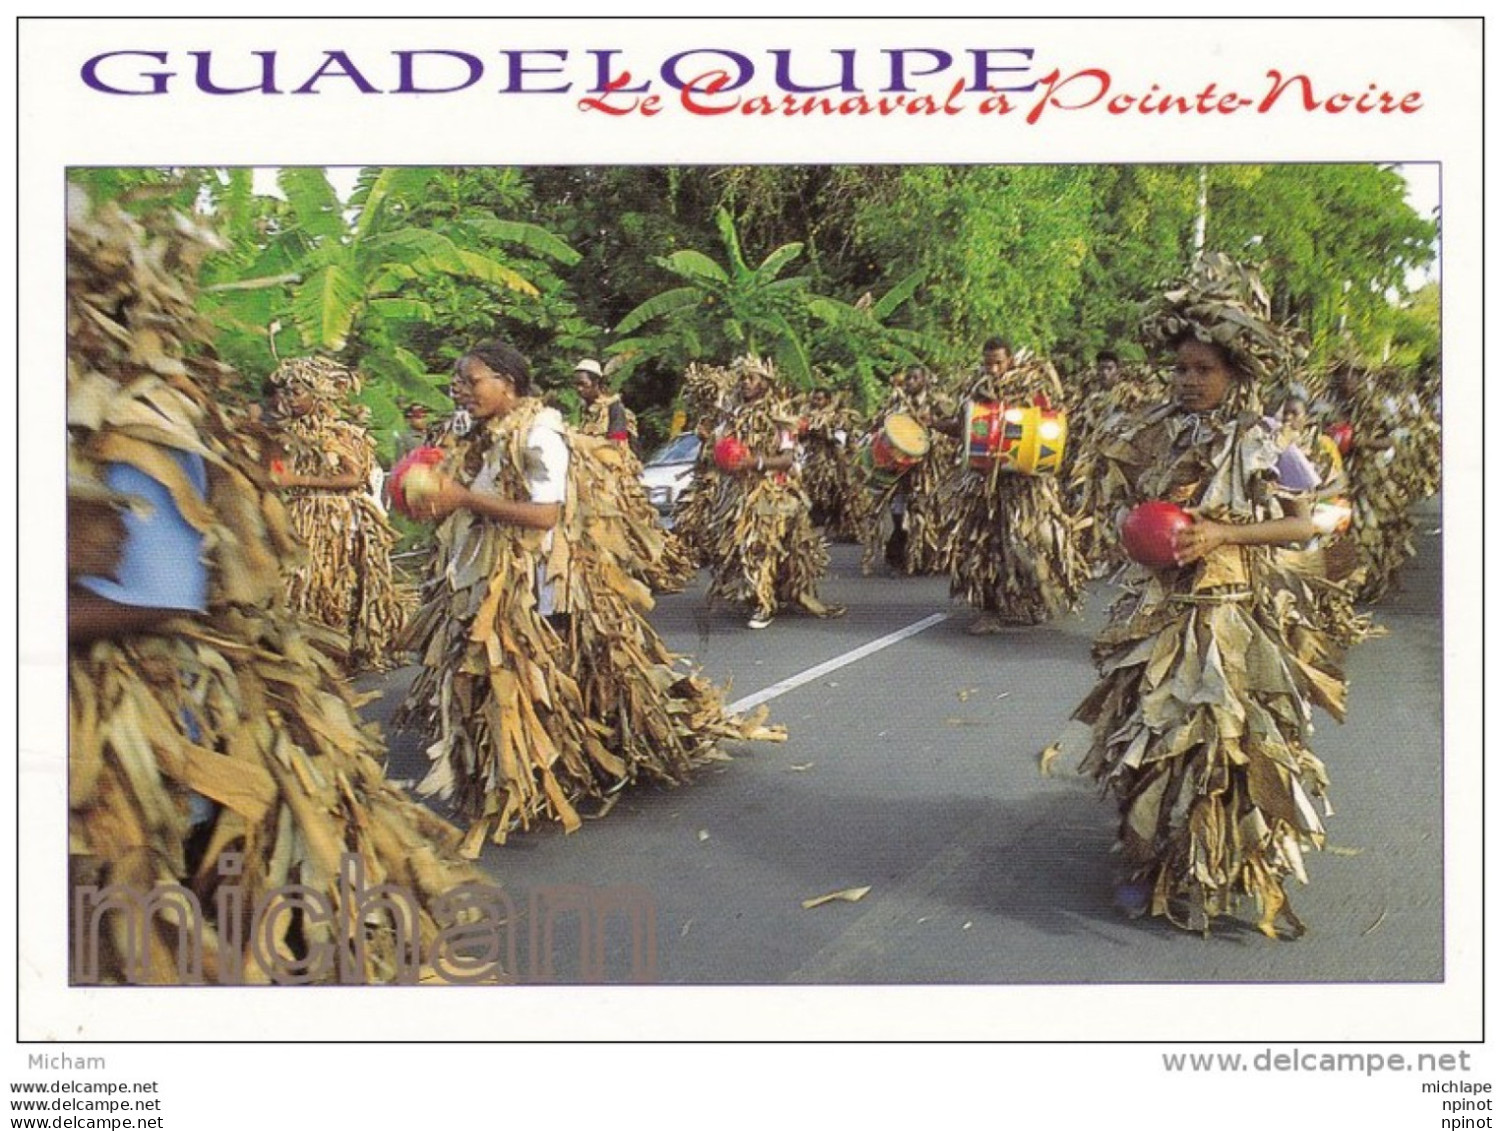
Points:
[[912, 771]]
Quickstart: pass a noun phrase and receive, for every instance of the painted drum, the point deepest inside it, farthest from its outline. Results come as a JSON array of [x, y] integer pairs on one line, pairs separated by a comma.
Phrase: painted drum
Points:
[[1026, 439], [899, 444]]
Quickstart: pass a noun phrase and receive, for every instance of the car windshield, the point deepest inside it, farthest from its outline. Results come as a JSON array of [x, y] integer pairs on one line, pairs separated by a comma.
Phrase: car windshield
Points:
[[680, 449]]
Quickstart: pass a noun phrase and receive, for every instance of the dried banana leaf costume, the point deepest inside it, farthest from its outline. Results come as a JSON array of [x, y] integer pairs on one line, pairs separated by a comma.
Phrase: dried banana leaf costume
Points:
[[1209, 672], [763, 548], [1093, 482], [835, 488], [707, 393], [1013, 549], [923, 493], [1392, 464], [665, 562], [229, 711], [346, 581], [529, 719]]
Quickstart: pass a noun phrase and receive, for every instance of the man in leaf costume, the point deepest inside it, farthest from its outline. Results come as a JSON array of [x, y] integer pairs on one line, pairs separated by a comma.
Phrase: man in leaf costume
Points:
[[1100, 405], [605, 413], [1013, 552], [837, 498], [543, 683], [666, 564], [1210, 667], [763, 548], [1393, 462], [324, 466], [210, 742]]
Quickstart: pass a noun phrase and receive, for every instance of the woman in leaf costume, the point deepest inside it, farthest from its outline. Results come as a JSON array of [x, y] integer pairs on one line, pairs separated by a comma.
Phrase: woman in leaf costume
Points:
[[762, 545], [543, 683], [210, 742], [325, 467], [1013, 551], [1210, 668]]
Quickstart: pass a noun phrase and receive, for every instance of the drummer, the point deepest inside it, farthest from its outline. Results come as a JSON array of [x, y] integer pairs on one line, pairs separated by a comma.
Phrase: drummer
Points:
[[1014, 554], [904, 524]]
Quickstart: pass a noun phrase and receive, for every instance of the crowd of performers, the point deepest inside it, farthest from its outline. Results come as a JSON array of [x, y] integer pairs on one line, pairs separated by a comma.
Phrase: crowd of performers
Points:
[[230, 567]]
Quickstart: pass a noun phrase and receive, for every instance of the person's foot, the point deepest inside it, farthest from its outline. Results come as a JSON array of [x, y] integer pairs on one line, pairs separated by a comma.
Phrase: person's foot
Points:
[[985, 625], [818, 608], [1133, 898], [759, 620]]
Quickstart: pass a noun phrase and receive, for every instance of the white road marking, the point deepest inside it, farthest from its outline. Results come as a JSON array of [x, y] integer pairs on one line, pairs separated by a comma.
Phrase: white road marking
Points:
[[740, 706]]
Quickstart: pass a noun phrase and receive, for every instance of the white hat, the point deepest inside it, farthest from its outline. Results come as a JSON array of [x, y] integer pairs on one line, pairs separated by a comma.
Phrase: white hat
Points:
[[589, 365]]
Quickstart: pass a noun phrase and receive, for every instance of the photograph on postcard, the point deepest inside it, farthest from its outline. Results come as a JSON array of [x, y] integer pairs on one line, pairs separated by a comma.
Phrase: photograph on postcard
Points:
[[896, 566]]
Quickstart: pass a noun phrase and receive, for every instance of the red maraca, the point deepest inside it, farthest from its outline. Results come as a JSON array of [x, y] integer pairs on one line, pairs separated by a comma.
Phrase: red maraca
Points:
[[1149, 533], [1343, 435], [413, 478], [730, 454]]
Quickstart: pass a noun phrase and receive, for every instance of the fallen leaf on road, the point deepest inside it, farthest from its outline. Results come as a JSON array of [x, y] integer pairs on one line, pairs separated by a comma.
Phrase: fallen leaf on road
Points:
[[1337, 850], [964, 722], [703, 834], [1379, 920], [966, 926], [799, 767], [966, 693], [683, 934], [609, 804], [848, 895]]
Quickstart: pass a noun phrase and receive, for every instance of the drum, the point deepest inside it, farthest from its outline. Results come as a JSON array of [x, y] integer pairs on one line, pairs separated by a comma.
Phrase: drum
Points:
[[982, 433], [1028, 440], [899, 444]]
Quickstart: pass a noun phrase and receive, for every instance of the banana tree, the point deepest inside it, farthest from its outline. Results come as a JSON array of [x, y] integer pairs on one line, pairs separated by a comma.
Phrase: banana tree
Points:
[[856, 340], [348, 280], [722, 309]]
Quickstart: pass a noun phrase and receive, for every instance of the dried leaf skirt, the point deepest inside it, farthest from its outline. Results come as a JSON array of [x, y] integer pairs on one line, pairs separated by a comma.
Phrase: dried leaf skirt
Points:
[[1198, 727], [346, 581], [528, 720], [241, 711], [763, 549], [1013, 549]]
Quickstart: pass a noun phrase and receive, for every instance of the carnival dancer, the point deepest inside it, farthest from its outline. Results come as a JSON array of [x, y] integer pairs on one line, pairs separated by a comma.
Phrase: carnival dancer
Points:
[[904, 518], [211, 746], [1100, 405], [1392, 462], [543, 682], [763, 548], [1013, 550], [605, 413], [1212, 660], [666, 563], [324, 462], [836, 494], [706, 395]]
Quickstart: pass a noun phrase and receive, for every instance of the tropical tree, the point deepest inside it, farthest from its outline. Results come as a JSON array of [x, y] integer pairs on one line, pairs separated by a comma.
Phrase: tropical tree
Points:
[[724, 309], [360, 281]]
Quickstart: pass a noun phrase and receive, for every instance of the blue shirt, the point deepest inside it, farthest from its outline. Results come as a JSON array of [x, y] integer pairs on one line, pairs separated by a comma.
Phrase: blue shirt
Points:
[[161, 560]]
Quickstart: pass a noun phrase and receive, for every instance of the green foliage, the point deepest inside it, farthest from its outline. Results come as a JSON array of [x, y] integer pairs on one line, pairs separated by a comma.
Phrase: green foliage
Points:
[[724, 309], [843, 274]]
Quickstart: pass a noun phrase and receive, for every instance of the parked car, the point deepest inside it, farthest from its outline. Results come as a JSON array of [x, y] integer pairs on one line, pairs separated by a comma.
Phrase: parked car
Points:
[[669, 472]]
